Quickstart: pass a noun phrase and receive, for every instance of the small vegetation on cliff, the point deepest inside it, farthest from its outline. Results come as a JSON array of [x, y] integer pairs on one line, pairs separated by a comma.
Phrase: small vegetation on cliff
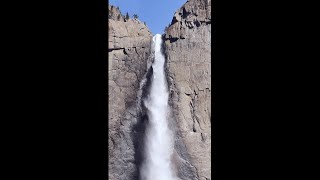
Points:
[[135, 16]]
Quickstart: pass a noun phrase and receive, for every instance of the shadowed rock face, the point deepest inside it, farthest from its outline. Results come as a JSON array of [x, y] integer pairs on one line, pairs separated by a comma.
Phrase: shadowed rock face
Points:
[[128, 54], [188, 52]]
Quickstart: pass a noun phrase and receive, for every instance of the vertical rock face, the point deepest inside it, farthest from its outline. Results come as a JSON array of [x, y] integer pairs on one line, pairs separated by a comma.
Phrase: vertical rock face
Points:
[[188, 53], [128, 52], [187, 47]]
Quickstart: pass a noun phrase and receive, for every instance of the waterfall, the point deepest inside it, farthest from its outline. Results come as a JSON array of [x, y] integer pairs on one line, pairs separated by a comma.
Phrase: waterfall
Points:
[[158, 145]]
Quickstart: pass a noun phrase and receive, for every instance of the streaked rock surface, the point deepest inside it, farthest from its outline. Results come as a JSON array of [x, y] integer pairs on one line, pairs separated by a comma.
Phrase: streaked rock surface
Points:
[[128, 52], [188, 52]]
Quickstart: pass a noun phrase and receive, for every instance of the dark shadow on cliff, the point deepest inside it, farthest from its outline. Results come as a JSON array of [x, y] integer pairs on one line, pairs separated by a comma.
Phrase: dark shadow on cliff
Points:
[[138, 130], [163, 51]]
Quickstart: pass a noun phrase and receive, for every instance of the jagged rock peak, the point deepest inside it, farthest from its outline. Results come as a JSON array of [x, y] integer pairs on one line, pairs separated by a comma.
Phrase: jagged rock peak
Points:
[[193, 14], [115, 14], [126, 32], [194, 10]]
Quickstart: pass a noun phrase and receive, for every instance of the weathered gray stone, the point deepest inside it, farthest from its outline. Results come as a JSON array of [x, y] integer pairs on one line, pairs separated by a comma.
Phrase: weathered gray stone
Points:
[[128, 53], [188, 52]]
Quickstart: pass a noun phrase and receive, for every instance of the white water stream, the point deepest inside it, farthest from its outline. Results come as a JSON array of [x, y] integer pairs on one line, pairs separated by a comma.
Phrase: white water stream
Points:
[[158, 141]]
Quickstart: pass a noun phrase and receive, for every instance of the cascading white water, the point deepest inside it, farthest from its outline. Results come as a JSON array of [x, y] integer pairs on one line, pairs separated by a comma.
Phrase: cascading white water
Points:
[[158, 140]]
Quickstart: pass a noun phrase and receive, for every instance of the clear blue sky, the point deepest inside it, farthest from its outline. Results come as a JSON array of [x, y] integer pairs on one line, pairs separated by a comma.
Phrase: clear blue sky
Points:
[[156, 13]]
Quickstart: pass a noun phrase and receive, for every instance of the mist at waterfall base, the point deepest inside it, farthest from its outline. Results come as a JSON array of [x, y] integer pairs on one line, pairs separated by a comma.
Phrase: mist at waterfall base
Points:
[[158, 145]]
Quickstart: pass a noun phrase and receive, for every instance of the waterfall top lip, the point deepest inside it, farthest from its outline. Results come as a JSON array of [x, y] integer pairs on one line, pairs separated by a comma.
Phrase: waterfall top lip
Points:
[[157, 37]]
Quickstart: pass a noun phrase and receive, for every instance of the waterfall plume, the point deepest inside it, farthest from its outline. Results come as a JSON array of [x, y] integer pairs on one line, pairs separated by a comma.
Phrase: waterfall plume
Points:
[[158, 145]]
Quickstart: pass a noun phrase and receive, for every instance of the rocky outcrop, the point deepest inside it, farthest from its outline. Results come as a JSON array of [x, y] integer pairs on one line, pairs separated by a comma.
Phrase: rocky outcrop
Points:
[[188, 53], [128, 52]]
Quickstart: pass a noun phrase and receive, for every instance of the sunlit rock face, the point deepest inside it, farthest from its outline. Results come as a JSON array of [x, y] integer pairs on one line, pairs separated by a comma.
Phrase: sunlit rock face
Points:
[[128, 53], [188, 53]]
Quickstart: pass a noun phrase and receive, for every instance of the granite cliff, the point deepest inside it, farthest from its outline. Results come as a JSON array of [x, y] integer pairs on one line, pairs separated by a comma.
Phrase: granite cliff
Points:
[[187, 47], [128, 53], [188, 53]]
